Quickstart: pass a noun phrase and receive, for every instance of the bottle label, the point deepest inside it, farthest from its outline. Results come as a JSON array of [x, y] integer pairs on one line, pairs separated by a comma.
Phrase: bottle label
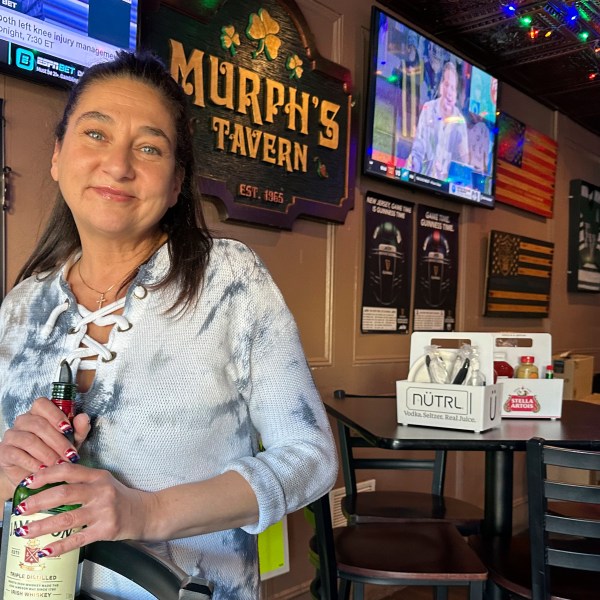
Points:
[[28, 576]]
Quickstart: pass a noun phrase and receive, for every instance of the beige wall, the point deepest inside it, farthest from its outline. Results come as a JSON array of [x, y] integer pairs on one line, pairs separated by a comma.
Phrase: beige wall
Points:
[[319, 266]]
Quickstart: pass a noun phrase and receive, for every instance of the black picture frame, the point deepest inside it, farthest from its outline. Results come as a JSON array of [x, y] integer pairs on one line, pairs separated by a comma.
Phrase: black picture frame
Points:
[[583, 274]]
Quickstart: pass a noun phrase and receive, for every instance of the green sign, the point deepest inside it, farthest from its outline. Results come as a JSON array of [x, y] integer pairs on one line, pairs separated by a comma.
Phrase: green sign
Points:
[[272, 116]]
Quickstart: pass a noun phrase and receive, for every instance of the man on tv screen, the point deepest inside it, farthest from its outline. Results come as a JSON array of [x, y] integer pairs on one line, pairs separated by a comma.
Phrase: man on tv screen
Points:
[[441, 136]]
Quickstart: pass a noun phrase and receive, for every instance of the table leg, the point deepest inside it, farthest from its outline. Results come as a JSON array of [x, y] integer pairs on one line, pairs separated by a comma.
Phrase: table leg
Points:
[[498, 504], [498, 492], [493, 592]]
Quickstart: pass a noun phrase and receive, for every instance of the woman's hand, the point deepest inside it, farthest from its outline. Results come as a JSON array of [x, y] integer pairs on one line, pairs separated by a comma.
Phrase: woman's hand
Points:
[[109, 510], [112, 511], [37, 439]]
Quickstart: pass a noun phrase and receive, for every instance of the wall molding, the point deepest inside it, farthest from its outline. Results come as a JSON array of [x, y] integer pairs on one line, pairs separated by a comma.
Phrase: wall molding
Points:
[[323, 13], [326, 360], [316, 13], [381, 359], [297, 591]]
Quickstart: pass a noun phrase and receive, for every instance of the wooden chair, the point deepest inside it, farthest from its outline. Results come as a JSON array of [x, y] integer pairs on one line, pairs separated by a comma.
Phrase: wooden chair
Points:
[[163, 579], [380, 506], [427, 553], [558, 558]]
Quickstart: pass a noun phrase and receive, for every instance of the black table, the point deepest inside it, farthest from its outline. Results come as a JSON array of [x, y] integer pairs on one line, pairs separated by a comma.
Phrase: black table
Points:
[[374, 419]]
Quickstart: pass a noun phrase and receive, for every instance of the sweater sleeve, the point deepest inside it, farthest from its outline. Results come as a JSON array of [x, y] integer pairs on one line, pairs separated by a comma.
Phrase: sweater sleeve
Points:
[[299, 463]]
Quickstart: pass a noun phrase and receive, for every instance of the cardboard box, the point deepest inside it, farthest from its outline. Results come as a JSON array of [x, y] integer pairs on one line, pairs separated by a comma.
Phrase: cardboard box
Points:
[[529, 398], [470, 408], [577, 372]]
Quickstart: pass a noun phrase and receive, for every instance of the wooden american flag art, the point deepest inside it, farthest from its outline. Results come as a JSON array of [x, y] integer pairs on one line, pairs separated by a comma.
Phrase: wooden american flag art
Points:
[[519, 276], [525, 167]]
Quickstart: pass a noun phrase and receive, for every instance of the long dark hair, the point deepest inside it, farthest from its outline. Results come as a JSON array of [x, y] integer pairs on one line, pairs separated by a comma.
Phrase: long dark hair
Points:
[[189, 240]]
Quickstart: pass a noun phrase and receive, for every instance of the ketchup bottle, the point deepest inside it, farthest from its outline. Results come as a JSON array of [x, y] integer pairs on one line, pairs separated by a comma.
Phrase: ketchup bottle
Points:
[[502, 369]]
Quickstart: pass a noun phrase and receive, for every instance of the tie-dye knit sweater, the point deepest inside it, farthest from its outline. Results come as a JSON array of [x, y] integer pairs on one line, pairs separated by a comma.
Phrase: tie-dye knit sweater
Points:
[[178, 400]]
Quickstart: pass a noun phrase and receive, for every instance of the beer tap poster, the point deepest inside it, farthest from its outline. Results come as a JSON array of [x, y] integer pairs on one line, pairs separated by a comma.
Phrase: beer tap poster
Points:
[[388, 259], [436, 270]]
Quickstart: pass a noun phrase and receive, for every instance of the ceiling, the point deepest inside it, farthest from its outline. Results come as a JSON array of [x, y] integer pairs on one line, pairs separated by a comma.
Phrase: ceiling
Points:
[[548, 57]]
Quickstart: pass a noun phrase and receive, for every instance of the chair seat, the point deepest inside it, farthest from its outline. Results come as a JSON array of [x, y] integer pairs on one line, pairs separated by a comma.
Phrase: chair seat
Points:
[[374, 507], [509, 565], [437, 551]]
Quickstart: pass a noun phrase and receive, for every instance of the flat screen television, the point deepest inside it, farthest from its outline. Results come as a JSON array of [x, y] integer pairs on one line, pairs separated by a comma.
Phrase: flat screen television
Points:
[[430, 115], [53, 41]]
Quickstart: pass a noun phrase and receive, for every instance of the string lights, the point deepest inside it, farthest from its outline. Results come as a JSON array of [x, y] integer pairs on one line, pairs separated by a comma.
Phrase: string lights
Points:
[[571, 15], [594, 75]]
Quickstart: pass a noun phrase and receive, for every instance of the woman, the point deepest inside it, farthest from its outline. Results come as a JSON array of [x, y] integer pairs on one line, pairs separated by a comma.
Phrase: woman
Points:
[[184, 350]]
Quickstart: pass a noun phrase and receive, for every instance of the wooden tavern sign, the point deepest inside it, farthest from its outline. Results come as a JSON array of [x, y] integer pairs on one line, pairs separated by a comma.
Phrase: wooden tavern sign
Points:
[[273, 117]]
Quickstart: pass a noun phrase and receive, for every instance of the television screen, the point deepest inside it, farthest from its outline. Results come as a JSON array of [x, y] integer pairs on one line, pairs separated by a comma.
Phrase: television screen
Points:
[[53, 41], [431, 115]]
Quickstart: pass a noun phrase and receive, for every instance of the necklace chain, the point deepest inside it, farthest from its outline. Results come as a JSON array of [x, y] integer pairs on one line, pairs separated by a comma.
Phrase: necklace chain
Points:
[[102, 299]]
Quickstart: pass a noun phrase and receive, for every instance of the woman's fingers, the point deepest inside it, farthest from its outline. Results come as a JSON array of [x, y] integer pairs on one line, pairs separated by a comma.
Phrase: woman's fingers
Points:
[[28, 448], [45, 420], [107, 510], [40, 437], [22, 453], [69, 524], [46, 409], [82, 426]]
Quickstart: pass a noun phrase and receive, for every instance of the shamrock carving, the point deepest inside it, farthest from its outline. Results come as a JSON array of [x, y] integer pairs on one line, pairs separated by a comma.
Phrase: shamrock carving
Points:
[[293, 64], [230, 38], [262, 28]]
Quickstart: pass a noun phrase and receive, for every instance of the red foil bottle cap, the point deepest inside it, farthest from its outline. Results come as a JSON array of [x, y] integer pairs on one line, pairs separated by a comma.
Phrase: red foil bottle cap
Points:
[[527, 359], [67, 406], [64, 391]]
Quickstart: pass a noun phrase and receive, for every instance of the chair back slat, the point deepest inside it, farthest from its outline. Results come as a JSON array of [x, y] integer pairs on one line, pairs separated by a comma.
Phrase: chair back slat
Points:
[[575, 459], [573, 560], [393, 463], [570, 542], [572, 492], [571, 526]]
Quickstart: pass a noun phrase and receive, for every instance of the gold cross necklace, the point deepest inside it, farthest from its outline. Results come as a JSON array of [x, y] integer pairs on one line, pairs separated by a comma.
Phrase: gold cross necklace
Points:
[[100, 302]]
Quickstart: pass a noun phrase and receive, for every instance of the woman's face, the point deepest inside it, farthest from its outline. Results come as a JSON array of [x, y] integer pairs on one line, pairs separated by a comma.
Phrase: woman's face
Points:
[[116, 164]]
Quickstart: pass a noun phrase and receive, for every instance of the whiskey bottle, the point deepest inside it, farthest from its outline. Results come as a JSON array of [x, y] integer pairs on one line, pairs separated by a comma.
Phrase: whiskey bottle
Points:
[[27, 572]]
